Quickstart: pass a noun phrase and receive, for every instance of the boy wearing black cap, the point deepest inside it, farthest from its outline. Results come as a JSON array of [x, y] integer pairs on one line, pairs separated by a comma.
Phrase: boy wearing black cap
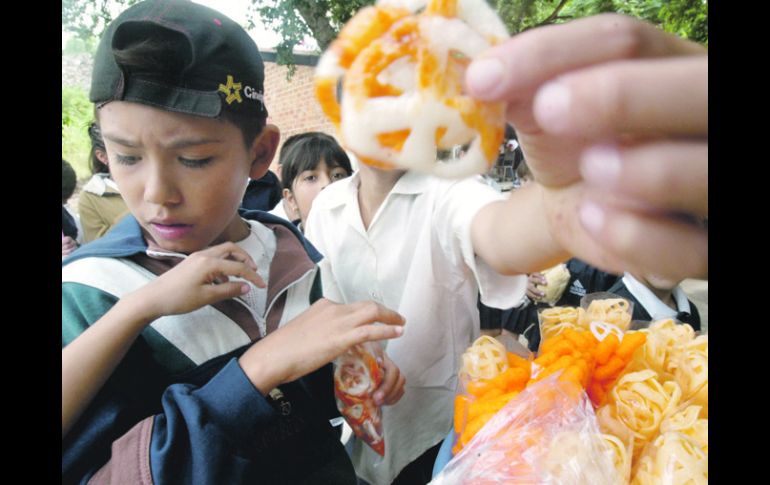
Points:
[[191, 352]]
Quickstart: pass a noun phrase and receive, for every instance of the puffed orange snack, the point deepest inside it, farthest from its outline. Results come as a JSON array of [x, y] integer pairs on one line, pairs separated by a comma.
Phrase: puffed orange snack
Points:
[[402, 69]]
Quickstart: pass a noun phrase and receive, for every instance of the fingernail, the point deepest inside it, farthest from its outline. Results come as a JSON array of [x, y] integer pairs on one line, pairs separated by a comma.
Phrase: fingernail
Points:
[[245, 289], [378, 396], [399, 330], [484, 76], [601, 165], [592, 217], [551, 107]]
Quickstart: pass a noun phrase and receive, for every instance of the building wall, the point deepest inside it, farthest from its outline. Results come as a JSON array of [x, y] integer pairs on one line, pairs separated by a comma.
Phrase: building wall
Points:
[[291, 104]]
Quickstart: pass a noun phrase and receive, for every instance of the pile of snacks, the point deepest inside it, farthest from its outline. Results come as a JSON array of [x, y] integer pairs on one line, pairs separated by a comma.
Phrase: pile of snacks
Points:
[[648, 387]]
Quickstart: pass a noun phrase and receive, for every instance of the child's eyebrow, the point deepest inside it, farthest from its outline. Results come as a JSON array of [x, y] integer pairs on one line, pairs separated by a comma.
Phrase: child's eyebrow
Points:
[[175, 144], [188, 142]]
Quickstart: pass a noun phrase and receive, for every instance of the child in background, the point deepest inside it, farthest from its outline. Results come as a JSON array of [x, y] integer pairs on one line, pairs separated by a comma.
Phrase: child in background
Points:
[[191, 351], [420, 243], [657, 298], [309, 163], [70, 230], [100, 204]]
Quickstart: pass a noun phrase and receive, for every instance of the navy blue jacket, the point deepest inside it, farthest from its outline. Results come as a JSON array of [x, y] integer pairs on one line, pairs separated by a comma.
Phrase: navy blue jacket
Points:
[[205, 425]]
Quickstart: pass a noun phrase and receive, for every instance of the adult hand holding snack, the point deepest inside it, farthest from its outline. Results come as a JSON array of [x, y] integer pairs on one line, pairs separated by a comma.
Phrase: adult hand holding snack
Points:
[[612, 115]]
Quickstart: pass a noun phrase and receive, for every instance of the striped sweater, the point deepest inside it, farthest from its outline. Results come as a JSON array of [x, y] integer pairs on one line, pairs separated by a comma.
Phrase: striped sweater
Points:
[[178, 408]]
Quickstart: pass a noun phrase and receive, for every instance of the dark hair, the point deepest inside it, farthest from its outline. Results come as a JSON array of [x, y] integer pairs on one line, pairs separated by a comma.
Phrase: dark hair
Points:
[[69, 180], [97, 143], [304, 152], [163, 55]]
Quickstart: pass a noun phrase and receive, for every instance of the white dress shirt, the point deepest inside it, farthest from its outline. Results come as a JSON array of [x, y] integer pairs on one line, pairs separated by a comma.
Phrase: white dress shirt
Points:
[[416, 258]]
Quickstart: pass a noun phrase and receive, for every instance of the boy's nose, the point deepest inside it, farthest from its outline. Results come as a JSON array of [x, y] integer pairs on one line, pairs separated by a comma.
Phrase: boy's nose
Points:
[[324, 180], [160, 189]]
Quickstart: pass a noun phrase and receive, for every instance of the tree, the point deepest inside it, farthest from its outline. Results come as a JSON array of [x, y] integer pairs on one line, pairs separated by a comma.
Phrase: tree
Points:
[[294, 20], [87, 19]]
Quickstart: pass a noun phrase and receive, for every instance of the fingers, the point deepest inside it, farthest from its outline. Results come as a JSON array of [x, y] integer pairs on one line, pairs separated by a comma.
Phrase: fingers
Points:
[[667, 175], [224, 291], [222, 269], [665, 96], [392, 386], [671, 247], [232, 251], [512, 70]]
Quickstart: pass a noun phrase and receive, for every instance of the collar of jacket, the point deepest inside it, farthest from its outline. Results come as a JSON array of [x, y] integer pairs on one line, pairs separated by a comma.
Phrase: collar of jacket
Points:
[[125, 238]]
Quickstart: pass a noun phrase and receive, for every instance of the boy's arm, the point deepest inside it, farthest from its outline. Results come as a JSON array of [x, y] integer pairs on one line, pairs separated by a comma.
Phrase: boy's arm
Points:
[[89, 358]]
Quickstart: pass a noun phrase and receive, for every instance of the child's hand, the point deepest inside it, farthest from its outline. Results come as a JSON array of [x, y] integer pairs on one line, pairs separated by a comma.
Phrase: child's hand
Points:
[[612, 115], [67, 246], [316, 337], [392, 386], [200, 280], [533, 292]]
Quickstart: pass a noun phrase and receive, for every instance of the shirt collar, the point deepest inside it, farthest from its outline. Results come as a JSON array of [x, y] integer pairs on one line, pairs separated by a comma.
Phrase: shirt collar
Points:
[[656, 308]]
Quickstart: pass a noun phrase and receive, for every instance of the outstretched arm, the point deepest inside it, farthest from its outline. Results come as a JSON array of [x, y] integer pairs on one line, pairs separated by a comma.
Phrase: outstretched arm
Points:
[[612, 115]]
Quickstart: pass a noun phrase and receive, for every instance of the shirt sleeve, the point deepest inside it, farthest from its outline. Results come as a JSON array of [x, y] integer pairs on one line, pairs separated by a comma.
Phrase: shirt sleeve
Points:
[[145, 426], [456, 208]]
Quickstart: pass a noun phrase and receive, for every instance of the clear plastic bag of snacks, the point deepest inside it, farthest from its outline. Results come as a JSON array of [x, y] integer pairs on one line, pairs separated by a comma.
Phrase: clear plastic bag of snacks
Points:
[[546, 434], [357, 374]]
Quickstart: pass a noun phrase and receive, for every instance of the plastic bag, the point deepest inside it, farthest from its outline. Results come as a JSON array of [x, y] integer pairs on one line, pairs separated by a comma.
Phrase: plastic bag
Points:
[[357, 374], [556, 279], [490, 376], [547, 434]]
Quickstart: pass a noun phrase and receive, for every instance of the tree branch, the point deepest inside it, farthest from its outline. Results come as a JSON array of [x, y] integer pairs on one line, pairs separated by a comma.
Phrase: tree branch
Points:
[[555, 14], [314, 15]]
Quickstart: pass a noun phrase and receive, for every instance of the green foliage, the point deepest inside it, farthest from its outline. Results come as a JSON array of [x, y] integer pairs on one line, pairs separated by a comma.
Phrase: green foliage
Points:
[[77, 45], [686, 18], [88, 18], [76, 114]]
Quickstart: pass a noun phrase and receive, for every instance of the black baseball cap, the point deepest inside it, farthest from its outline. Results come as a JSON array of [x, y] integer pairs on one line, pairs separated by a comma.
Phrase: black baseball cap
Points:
[[206, 63]]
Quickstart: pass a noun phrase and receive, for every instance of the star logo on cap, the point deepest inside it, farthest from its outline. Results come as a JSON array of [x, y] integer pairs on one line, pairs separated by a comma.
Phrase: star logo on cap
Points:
[[232, 90]]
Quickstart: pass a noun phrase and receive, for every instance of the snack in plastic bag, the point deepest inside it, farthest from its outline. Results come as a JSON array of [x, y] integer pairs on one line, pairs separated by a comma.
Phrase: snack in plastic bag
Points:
[[672, 459], [692, 373], [608, 308], [547, 434], [356, 376], [666, 341], [489, 377], [555, 320], [403, 63], [484, 359], [639, 403], [556, 279]]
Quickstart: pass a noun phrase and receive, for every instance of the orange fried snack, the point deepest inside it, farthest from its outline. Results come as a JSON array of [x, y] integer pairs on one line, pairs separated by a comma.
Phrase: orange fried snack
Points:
[[402, 98], [485, 397]]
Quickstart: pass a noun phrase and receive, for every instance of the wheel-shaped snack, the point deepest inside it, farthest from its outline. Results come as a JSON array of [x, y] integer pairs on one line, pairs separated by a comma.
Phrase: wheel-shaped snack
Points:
[[402, 64]]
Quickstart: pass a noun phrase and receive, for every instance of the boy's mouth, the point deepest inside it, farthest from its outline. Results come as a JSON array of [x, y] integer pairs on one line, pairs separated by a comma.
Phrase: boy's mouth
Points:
[[171, 231]]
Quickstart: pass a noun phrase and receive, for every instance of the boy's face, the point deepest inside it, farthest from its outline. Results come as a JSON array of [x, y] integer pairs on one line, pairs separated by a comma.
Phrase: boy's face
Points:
[[182, 176]]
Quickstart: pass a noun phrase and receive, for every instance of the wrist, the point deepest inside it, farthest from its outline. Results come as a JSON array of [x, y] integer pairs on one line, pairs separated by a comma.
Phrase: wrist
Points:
[[259, 367], [138, 307]]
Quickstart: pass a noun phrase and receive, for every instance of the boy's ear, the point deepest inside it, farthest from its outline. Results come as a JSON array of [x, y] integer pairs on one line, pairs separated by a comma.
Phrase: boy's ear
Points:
[[263, 150]]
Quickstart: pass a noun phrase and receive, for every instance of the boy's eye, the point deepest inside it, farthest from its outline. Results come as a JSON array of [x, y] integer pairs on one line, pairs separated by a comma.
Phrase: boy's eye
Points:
[[339, 175], [195, 162], [310, 178], [126, 159]]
